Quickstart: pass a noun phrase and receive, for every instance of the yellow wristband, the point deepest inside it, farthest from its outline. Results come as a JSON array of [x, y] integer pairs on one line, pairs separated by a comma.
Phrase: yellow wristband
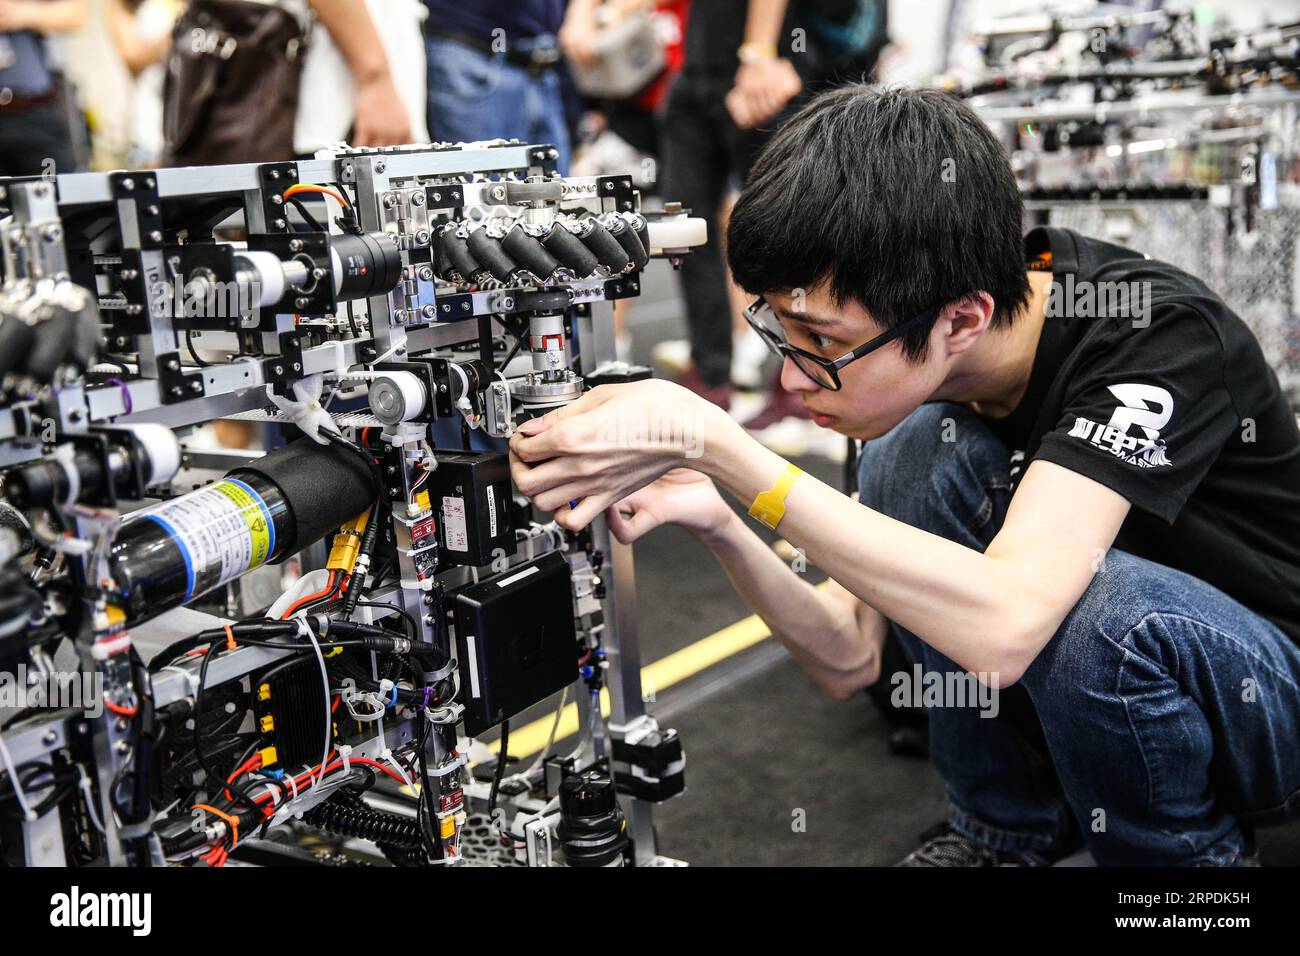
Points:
[[756, 52], [769, 506]]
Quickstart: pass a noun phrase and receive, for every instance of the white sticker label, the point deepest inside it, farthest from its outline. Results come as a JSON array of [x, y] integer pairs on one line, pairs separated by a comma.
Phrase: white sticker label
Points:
[[453, 524], [492, 513], [223, 531]]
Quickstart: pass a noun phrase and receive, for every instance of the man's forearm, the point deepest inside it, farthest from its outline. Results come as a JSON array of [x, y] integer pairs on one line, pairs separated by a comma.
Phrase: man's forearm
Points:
[[969, 606], [821, 633], [353, 32]]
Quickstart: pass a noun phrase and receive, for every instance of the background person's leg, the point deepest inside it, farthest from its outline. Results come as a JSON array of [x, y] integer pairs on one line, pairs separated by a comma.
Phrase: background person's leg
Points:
[[473, 96], [943, 471], [695, 174], [1172, 713]]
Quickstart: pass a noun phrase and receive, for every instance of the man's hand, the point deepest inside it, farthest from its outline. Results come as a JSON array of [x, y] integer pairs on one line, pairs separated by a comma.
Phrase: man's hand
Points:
[[682, 497], [762, 89], [381, 115], [15, 15], [613, 441], [577, 36]]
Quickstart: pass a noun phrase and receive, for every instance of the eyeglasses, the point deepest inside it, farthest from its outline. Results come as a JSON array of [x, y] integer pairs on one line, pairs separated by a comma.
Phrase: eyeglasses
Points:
[[825, 372]]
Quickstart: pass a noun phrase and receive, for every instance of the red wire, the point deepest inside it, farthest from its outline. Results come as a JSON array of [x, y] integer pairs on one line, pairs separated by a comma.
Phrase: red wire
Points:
[[305, 188], [121, 711], [312, 597]]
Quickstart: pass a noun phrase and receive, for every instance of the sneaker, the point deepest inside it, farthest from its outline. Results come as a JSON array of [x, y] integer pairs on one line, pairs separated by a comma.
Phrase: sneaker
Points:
[[719, 395], [941, 845], [672, 354], [748, 355], [779, 406]]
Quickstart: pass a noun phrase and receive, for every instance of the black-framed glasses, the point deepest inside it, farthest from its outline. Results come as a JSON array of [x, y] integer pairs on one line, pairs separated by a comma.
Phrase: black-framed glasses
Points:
[[825, 372]]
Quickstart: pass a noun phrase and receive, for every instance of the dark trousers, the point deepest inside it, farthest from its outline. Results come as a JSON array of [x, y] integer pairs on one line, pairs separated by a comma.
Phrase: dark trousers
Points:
[[35, 142], [704, 152]]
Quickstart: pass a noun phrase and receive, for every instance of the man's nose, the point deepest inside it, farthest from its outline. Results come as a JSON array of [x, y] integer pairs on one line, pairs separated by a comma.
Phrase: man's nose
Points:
[[793, 379]]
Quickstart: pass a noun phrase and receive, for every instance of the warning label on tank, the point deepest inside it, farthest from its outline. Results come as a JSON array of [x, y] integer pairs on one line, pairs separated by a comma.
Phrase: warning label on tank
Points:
[[222, 530]]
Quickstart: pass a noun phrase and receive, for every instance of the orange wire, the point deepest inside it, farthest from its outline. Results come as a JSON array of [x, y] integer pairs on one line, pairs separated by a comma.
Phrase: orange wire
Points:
[[121, 711], [308, 188]]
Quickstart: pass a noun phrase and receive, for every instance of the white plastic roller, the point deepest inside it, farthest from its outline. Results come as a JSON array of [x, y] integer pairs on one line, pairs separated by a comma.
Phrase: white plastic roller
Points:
[[684, 233]]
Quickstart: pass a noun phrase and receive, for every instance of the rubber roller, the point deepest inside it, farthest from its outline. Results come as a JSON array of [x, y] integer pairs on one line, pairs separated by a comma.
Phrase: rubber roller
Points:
[[569, 250], [621, 230], [486, 248], [15, 342], [605, 247], [462, 260], [442, 266], [529, 252]]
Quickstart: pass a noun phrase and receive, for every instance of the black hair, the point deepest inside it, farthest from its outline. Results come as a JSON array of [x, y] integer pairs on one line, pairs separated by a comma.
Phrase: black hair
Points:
[[901, 200]]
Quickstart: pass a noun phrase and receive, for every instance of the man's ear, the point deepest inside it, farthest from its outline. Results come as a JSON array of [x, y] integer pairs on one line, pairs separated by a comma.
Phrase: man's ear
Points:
[[963, 321]]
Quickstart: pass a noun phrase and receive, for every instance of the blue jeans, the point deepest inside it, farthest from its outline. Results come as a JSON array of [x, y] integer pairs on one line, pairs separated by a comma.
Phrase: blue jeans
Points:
[[475, 96], [1161, 721]]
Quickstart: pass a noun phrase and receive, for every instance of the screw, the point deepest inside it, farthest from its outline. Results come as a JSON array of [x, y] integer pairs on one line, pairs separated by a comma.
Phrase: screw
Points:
[[295, 245], [609, 187], [389, 200], [280, 224], [175, 391], [173, 365], [277, 200], [426, 273], [155, 236], [417, 199], [196, 387], [128, 184], [437, 197], [428, 312], [52, 233], [318, 273], [297, 366], [381, 166], [150, 182], [49, 737], [278, 370], [153, 210], [275, 174]]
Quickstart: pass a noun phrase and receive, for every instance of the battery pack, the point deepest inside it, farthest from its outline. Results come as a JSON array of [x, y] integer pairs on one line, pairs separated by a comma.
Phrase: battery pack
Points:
[[516, 642], [471, 493]]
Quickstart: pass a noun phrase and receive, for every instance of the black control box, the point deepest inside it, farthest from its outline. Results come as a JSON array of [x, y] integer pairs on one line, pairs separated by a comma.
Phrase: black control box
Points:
[[472, 496], [515, 640]]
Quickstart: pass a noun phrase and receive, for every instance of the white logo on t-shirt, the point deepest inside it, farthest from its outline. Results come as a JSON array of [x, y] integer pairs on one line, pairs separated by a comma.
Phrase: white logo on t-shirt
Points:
[[1146, 407]]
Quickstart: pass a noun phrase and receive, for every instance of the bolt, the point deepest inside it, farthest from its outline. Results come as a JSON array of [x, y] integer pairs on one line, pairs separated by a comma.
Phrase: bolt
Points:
[[417, 199], [389, 200], [390, 470], [52, 233], [302, 302], [173, 365], [437, 197], [49, 738], [278, 370], [295, 245], [175, 391], [128, 184], [428, 312], [381, 166], [429, 620], [318, 273], [609, 187], [297, 366], [426, 273], [446, 308], [153, 210], [552, 154], [275, 174], [150, 182], [498, 193], [277, 200], [394, 492], [442, 389], [422, 237], [280, 224], [155, 236], [196, 387]]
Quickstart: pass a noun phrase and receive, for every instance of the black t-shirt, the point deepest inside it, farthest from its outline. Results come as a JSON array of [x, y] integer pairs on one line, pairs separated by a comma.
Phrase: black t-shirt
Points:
[[1145, 381]]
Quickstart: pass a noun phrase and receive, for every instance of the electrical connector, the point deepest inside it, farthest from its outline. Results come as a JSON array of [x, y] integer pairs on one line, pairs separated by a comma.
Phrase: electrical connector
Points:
[[268, 756], [343, 551]]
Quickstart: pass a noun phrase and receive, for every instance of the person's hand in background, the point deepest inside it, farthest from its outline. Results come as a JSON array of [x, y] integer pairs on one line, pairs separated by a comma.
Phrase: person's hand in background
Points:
[[763, 87], [577, 36], [382, 119]]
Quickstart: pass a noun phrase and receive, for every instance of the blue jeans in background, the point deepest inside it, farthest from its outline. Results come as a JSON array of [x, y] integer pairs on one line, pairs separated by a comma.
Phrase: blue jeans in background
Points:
[[1161, 721], [476, 96]]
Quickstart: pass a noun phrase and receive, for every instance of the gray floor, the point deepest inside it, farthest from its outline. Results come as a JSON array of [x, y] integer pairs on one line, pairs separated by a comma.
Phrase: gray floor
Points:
[[777, 774]]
